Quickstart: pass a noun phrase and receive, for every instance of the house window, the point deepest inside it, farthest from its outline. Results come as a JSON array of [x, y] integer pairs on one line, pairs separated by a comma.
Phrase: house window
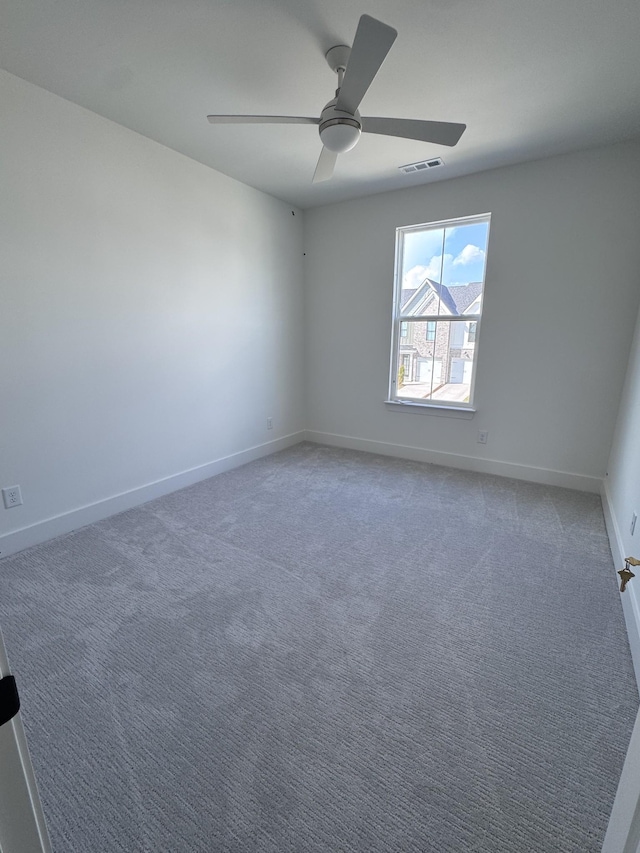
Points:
[[439, 286]]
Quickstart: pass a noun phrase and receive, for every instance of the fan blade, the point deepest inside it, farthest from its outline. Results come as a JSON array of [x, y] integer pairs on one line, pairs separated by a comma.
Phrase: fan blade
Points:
[[262, 120], [371, 44], [326, 165], [438, 132]]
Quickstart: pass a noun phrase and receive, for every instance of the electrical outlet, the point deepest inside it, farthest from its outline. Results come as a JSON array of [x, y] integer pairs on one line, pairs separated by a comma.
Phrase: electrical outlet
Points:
[[483, 436], [12, 496], [269, 423], [634, 518]]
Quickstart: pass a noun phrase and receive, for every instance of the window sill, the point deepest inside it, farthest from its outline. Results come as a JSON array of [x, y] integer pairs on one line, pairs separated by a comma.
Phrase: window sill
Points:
[[430, 409]]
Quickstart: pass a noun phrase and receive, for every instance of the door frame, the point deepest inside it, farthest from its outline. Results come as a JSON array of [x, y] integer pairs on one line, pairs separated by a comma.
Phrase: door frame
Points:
[[22, 823], [623, 832]]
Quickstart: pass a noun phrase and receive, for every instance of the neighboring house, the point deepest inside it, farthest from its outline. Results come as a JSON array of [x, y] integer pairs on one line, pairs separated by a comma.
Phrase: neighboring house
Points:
[[436, 352]]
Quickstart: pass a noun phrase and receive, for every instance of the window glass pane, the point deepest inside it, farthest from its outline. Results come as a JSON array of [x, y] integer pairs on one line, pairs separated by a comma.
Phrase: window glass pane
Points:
[[465, 249], [421, 251], [439, 369], [443, 270]]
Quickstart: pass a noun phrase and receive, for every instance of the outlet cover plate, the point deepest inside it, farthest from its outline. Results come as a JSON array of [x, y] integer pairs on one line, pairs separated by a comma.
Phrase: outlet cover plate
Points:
[[12, 496]]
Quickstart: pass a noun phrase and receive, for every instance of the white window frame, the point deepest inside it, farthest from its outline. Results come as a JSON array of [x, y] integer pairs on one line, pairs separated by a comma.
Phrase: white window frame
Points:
[[395, 396]]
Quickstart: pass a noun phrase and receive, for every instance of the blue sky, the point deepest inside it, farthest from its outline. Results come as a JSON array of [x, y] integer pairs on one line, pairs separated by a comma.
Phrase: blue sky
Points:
[[462, 260]]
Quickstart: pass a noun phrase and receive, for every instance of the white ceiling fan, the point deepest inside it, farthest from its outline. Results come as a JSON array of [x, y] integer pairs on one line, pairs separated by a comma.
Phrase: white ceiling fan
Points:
[[340, 123]]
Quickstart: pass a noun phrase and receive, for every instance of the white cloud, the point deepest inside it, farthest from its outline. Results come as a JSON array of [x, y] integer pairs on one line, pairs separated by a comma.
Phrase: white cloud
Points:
[[414, 278], [437, 265], [432, 270], [469, 255]]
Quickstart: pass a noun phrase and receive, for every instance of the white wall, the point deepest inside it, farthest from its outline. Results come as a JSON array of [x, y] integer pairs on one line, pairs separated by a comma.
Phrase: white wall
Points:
[[150, 315], [561, 299], [622, 491]]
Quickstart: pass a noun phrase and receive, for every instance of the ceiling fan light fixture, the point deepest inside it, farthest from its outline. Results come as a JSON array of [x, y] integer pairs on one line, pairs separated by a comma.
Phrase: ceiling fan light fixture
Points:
[[340, 134], [340, 123]]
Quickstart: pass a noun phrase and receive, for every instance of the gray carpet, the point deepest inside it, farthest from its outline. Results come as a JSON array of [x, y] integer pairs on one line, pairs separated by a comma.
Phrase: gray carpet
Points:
[[327, 651]]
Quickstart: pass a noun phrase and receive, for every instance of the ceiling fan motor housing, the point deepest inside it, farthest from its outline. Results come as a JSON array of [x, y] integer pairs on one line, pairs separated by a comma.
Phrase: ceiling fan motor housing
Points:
[[339, 131]]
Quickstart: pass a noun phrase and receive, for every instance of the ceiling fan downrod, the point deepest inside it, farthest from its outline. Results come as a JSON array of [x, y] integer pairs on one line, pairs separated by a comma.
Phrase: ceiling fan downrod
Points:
[[339, 130]]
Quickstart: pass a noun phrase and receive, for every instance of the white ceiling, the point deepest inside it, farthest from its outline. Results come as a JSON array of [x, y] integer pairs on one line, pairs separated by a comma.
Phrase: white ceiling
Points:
[[529, 78]]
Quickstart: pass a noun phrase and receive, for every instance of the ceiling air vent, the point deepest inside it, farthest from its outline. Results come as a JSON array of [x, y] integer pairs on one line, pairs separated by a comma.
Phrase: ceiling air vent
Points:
[[422, 166]]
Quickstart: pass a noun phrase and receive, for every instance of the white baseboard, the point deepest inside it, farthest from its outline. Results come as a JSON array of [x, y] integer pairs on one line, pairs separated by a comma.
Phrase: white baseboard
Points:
[[545, 476], [41, 531], [629, 598]]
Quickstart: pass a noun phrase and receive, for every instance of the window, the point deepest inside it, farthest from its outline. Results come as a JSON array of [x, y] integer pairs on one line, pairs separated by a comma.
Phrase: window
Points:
[[440, 271]]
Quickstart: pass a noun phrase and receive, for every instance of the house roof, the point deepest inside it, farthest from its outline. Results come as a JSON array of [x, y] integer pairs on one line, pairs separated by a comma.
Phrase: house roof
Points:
[[406, 295], [421, 294], [465, 295], [454, 300]]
